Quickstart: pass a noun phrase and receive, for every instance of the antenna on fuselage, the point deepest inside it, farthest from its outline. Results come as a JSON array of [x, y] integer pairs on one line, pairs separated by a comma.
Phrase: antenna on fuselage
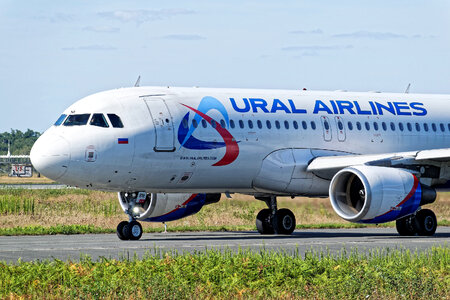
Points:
[[138, 81], [407, 88]]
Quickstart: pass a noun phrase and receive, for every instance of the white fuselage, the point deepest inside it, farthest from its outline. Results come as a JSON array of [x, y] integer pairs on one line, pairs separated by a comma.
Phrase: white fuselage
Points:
[[164, 146]]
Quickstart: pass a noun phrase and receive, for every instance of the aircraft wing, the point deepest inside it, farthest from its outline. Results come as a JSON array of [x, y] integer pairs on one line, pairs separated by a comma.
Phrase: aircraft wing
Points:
[[436, 154], [328, 165]]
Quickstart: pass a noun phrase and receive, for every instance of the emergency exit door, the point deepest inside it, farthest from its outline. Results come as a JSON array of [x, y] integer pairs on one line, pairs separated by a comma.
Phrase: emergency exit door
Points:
[[326, 126]]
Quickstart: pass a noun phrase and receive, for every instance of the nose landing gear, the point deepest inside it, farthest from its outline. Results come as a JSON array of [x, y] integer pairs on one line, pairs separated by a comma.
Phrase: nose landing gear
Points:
[[129, 230], [273, 221]]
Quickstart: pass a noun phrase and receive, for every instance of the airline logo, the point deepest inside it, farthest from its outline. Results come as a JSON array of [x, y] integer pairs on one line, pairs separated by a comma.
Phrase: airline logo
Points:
[[189, 141]]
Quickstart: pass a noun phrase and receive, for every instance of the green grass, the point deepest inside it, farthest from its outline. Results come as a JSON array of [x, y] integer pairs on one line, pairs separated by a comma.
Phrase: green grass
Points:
[[78, 211], [228, 275], [50, 230], [31, 202]]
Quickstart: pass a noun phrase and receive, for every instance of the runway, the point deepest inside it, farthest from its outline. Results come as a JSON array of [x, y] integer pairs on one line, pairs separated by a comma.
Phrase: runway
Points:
[[65, 247]]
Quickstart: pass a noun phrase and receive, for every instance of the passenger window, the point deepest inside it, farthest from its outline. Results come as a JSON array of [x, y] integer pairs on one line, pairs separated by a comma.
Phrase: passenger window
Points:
[[222, 123], [295, 124], [286, 124], [259, 124], [367, 125], [326, 125], [350, 126], [400, 126], [383, 124], [194, 123], [268, 124], [241, 123], [100, 121], [115, 120], [417, 126], [375, 126], [77, 120], [358, 126], [250, 124], [213, 124], [409, 126], [63, 117], [425, 126], [204, 124], [313, 125], [340, 126], [185, 122], [442, 127], [304, 125], [433, 126], [277, 124], [392, 126], [448, 126], [231, 123]]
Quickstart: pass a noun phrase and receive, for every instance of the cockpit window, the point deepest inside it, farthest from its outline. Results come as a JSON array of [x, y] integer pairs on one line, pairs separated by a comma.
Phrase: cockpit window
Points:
[[115, 121], [77, 120], [60, 120], [99, 120]]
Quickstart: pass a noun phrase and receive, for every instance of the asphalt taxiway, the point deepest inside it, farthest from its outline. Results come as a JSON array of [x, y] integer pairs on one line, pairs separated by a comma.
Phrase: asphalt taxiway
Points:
[[72, 247]]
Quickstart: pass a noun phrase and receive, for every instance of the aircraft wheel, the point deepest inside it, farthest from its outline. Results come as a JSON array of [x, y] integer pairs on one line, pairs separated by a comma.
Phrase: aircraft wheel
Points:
[[133, 230], [427, 222], [120, 230], [406, 226], [286, 221], [263, 222]]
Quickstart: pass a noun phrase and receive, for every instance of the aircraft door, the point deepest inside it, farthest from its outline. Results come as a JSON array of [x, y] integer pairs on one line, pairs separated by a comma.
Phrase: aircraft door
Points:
[[340, 128], [163, 124], [327, 135]]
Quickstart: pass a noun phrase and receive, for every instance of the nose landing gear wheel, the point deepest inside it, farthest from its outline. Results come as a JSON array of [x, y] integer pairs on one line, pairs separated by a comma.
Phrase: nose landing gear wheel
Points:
[[120, 232], [129, 230]]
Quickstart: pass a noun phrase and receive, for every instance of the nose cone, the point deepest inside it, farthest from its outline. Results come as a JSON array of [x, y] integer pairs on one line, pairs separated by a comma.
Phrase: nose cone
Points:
[[50, 155]]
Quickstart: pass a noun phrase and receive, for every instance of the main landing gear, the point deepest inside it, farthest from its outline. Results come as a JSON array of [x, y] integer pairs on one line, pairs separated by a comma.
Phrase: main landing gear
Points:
[[423, 223], [129, 230], [274, 221]]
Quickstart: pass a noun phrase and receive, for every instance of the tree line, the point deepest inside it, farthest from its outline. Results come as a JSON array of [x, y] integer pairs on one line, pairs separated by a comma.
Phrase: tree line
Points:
[[21, 142]]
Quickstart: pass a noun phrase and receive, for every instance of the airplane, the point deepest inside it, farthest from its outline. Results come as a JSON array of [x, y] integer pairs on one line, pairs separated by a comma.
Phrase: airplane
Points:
[[168, 151]]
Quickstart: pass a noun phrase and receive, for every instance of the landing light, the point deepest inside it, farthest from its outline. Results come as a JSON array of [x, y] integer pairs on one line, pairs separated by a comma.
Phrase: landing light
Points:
[[136, 210]]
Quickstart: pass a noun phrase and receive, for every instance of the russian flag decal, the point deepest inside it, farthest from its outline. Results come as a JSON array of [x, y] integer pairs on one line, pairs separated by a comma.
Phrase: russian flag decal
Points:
[[122, 140]]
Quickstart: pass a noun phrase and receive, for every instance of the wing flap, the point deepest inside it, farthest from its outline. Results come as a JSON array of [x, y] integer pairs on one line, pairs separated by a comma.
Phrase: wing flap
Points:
[[435, 154], [334, 163]]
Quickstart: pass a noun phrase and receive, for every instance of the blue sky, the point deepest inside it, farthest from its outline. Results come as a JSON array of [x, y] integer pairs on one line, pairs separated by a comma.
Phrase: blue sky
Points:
[[54, 52]]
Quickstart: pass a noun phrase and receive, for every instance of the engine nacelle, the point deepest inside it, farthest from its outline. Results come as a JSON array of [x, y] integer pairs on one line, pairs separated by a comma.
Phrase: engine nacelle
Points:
[[164, 207], [368, 194]]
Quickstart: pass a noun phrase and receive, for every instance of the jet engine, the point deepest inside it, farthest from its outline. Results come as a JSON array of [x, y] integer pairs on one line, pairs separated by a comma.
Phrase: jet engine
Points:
[[163, 207], [369, 194]]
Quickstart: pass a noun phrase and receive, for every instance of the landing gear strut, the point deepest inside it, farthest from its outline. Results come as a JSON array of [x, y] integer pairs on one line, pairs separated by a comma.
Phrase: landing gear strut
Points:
[[273, 220], [423, 223], [129, 230]]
